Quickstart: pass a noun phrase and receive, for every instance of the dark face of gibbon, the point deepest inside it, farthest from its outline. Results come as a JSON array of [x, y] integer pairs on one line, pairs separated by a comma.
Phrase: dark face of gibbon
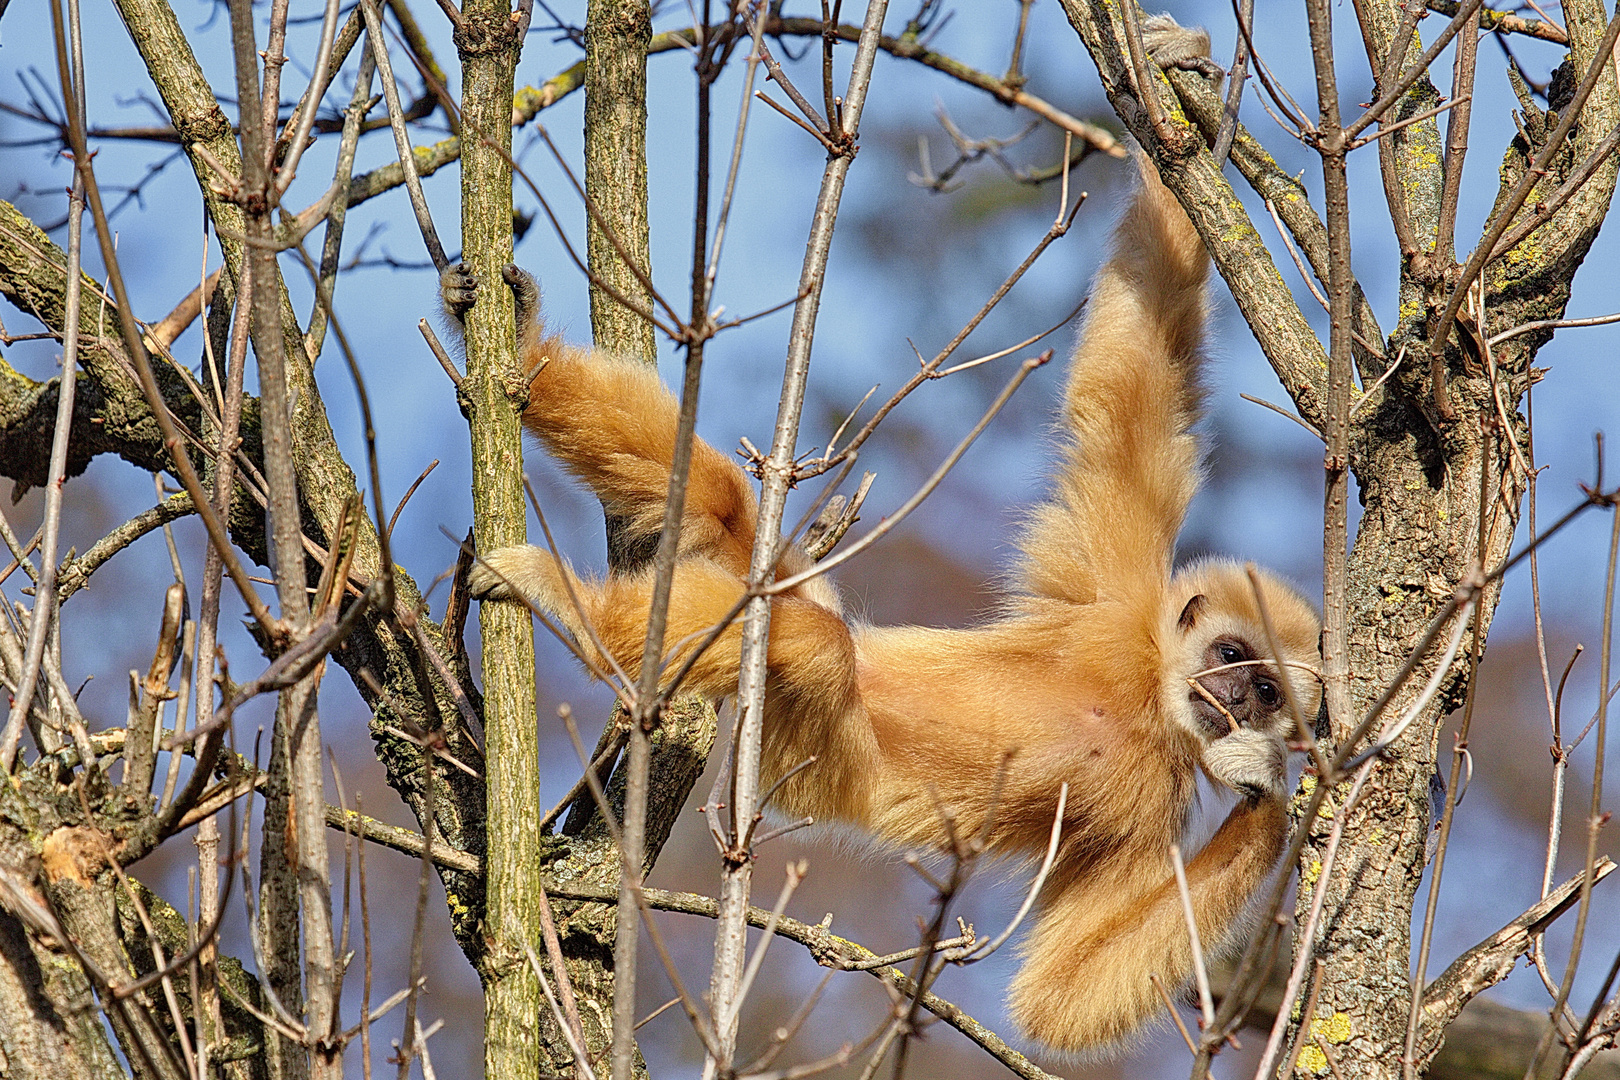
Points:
[[1249, 693]]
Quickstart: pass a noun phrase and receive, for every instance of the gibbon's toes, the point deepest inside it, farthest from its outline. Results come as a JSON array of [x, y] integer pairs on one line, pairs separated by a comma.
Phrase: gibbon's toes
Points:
[[458, 289], [492, 577], [525, 291], [1252, 763], [485, 584], [517, 277], [1175, 46]]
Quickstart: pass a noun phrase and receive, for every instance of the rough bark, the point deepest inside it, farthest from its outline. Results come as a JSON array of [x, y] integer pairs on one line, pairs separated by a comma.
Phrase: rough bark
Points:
[[50, 1028], [112, 417], [1486, 1041], [616, 37], [617, 34], [494, 392], [326, 485]]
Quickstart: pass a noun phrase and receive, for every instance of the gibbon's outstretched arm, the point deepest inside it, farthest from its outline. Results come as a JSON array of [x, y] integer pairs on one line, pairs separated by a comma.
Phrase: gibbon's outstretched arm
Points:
[[1084, 679], [1085, 979], [1130, 461]]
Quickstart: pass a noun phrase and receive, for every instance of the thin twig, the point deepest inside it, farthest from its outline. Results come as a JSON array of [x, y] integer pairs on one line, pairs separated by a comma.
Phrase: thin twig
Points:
[[45, 598], [730, 934], [377, 42], [1551, 324], [1200, 972], [1505, 210], [795, 580]]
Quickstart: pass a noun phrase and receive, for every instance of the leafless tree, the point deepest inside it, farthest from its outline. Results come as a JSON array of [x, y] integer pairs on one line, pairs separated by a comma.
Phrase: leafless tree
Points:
[[102, 976]]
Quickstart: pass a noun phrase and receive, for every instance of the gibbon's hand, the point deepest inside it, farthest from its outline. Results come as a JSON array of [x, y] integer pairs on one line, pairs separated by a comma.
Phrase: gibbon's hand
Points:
[[1251, 762], [511, 573], [1175, 46], [458, 289]]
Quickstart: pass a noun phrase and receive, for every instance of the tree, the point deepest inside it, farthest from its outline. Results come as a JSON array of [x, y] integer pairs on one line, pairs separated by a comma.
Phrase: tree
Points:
[[550, 920]]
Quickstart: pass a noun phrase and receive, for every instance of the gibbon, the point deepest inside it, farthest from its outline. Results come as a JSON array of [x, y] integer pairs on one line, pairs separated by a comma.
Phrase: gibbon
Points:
[[1083, 676]]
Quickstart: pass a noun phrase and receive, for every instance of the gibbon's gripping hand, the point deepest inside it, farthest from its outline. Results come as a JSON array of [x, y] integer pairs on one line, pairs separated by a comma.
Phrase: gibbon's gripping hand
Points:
[[458, 290], [1251, 762], [512, 573]]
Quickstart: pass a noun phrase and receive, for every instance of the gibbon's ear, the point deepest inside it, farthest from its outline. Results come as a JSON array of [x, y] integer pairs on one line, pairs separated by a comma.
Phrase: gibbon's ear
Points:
[[1189, 614]]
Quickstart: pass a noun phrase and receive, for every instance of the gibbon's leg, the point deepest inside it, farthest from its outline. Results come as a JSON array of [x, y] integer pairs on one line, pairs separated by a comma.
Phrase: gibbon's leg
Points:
[[1131, 464], [611, 422], [811, 655], [1098, 937]]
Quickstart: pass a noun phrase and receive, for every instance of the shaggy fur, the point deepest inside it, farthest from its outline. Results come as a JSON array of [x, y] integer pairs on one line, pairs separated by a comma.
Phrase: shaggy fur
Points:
[[1083, 676]]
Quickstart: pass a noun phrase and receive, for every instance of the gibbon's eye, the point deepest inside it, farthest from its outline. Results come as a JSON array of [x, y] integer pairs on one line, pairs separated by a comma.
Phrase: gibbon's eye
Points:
[[1266, 690], [1229, 653]]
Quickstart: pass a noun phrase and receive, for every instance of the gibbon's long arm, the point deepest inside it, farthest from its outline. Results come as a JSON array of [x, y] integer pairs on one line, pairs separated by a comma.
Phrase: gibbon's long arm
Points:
[[1130, 463], [1085, 979]]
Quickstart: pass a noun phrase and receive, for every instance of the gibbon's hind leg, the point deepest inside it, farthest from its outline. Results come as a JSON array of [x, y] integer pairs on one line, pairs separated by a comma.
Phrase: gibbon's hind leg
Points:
[[1085, 980], [811, 653], [611, 422]]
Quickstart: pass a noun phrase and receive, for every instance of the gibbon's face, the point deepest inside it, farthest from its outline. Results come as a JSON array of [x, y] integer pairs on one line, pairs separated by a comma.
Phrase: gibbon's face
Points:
[[1219, 676], [1242, 684]]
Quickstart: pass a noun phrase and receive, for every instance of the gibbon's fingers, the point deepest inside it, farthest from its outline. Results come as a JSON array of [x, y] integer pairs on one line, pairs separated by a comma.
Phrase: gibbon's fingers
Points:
[[1131, 463], [534, 574], [1251, 762], [1104, 931], [1173, 45], [458, 288]]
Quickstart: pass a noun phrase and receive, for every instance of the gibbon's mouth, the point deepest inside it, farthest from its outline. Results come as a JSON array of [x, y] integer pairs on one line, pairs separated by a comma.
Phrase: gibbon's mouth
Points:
[[1213, 722]]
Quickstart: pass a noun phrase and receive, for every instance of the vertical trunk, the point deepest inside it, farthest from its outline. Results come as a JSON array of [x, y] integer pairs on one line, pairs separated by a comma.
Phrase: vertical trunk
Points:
[[488, 49], [616, 37]]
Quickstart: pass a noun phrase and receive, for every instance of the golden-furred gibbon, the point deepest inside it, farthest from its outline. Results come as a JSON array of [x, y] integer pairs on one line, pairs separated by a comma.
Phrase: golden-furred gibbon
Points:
[[1083, 675]]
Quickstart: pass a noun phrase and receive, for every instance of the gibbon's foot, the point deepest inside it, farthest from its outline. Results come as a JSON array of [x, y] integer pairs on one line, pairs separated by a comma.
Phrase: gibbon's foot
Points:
[[1175, 46], [1252, 763], [504, 574], [525, 293], [458, 289]]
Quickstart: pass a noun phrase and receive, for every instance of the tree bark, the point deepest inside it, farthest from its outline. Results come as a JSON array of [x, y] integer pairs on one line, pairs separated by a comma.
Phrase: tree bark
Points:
[[616, 37], [494, 392]]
